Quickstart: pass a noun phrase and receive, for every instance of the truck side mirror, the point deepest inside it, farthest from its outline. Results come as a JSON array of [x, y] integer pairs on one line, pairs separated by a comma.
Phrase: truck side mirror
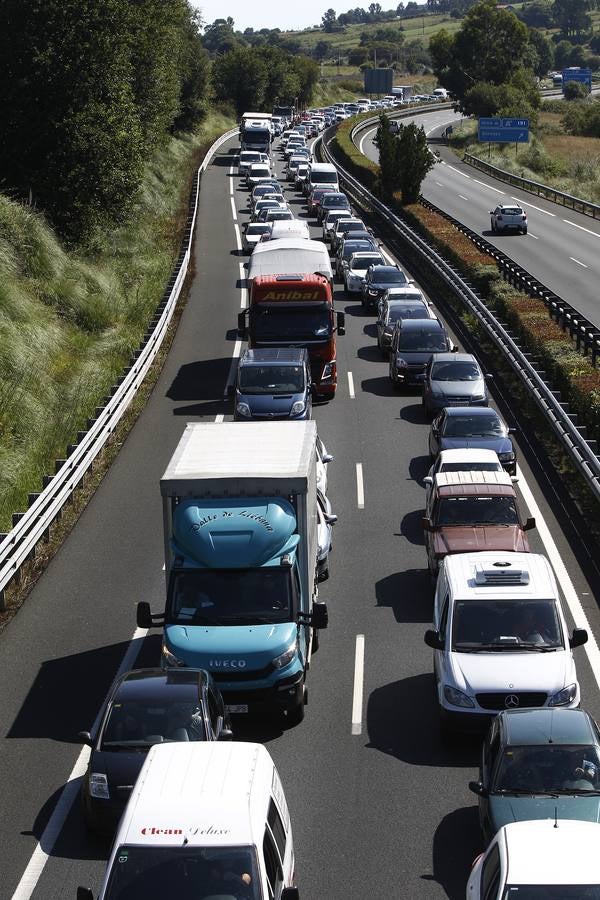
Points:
[[529, 524], [341, 323], [143, 615], [426, 523], [578, 638], [290, 893], [320, 617], [477, 788], [432, 639], [84, 894], [242, 324], [85, 737]]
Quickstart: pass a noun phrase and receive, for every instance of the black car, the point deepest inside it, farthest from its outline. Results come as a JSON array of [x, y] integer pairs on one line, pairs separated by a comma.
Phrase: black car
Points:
[[413, 343], [479, 427], [378, 280], [145, 707], [332, 200]]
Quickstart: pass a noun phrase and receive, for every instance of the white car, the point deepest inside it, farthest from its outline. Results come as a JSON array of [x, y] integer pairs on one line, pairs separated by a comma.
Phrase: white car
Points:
[[508, 218], [464, 460], [256, 173], [544, 859], [500, 638], [326, 519], [247, 158], [323, 459], [265, 204], [253, 232], [355, 271], [330, 220]]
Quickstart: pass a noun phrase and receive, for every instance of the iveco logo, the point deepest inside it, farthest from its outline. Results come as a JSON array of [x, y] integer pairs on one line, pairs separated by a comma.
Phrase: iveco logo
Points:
[[227, 663], [511, 701]]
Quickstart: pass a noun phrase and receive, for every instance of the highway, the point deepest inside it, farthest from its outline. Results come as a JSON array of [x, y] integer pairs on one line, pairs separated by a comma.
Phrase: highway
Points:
[[380, 807], [561, 248]]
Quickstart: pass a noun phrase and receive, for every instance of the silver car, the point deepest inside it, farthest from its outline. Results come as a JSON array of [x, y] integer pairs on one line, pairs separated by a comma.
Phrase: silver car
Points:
[[453, 379], [326, 519]]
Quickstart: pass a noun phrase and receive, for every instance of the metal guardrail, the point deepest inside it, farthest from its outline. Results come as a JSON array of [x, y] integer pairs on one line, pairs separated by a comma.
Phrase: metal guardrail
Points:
[[535, 187], [561, 421], [33, 526]]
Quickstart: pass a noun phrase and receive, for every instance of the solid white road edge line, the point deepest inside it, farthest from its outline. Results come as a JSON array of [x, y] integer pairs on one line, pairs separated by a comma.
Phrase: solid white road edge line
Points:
[[233, 209], [464, 174], [351, 385], [539, 209], [243, 290], [69, 793], [579, 263], [488, 186], [533, 236], [360, 488], [570, 594], [238, 236], [581, 227], [363, 139], [357, 694]]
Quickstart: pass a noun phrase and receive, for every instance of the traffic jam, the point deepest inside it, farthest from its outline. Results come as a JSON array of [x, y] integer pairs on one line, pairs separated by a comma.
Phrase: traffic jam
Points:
[[248, 532]]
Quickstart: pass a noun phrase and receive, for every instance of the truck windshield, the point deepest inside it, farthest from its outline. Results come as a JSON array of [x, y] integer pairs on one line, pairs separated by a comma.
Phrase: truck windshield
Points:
[[154, 873], [277, 323], [271, 379], [234, 596]]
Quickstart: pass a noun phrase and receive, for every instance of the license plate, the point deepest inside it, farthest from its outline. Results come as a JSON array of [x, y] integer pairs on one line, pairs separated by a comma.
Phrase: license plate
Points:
[[237, 708]]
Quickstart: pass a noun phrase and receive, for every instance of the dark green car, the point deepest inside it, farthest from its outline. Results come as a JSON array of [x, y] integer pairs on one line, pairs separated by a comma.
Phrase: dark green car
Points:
[[538, 763]]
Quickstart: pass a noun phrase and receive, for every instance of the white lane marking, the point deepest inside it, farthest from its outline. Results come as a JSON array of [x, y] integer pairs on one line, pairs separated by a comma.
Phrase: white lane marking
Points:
[[357, 694], [462, 197], [360, 486], [363, 139], [533, 236], [439, 184], [233, 209], [351, 385], [488, 186], [243, 289], [581, 227], [232, 368], [238, 236], [579, 263], [218, 418], [69, 793], [464, 174], [573, 602], [539, 209]]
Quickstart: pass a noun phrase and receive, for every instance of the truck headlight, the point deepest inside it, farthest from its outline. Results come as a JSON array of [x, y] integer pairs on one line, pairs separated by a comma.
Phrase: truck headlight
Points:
[[286, 657], [243, 409], [99, 786], [457, 698], [169, 659], [298, 407], [328, 370], [562, 698]]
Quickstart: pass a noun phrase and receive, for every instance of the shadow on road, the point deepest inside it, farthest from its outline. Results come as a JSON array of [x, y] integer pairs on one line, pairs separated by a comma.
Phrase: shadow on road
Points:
[[415, 414], [456, 843], [411, 527], [408, 594], [418, 468], [200, 381]]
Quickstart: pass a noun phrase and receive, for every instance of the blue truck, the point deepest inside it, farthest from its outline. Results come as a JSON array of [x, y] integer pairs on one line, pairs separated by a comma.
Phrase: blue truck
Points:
[[240, 533]]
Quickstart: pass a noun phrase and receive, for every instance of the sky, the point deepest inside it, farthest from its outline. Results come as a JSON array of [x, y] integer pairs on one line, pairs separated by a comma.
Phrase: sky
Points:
[[257, 14]]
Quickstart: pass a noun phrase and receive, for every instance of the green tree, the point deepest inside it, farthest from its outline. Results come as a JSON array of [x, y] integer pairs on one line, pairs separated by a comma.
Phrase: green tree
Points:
[[240, 76], [194, 68], [575, 90], [542, 59], [329, 21], [572, 16], [322, 50], [220, 36], [414, 160]]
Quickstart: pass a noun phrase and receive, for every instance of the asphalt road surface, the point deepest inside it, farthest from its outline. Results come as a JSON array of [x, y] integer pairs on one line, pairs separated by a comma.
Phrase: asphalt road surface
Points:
[[381, 810], [562, 247]]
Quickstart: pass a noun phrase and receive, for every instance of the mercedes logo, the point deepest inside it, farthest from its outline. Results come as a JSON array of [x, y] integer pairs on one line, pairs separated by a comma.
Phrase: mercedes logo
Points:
[[511, 701]]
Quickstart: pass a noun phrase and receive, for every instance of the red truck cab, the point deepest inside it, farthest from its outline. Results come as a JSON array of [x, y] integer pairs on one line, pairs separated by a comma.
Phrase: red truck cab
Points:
[[296, 311]]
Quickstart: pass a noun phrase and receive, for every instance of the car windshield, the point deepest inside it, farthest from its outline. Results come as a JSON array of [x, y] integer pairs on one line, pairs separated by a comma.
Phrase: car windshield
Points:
[[324, 177], [470, 467], [335, 203], [275, 323], [347, 227], [271, 379], [570, 768], [351, 247], [249, 157], [406, 311], [486, 425], [155, 873], [422, 341], [362, 263], [166, 717], [551, 892], [477, 510], [233, 596], [278, 215], [392, 276], [257, 228], [455, 371], [505, 625]]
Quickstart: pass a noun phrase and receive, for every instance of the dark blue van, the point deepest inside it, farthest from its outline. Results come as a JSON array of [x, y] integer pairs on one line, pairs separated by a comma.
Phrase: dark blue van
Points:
[[273, 383]]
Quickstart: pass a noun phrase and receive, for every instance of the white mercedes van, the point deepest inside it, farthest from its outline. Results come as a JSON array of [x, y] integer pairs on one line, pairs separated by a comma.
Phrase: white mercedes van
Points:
[[208, 820], [500, 638]]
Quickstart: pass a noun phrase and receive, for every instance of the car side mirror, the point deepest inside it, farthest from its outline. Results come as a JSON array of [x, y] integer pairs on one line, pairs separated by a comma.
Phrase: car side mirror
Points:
[[512, 430], [331, 518], [225, 734], [84, 893], [477, 788], [319, 617], [529, 524], [432, 639], [290, 893], [578, 638], [454, 348], [428, 480], [426, 523], [489, 377], [328, 457], [85, 737]]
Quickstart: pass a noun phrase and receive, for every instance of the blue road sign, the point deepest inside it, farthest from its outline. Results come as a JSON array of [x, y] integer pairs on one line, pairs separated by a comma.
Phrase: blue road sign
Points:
[[503, 130], [583, 76]]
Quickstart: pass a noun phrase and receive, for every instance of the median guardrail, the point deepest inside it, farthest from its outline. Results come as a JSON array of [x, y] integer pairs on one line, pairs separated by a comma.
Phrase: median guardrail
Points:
[[33, 526], [571, 437], [535, 187]]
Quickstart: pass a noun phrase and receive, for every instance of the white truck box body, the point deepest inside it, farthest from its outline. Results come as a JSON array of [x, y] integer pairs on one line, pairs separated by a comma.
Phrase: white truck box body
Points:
[[290, 256]]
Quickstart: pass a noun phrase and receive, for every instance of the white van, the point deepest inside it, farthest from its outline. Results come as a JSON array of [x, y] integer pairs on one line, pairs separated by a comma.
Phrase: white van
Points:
[[500, 638], [204, 814], [440, 94], [323, 174], [293, 228]]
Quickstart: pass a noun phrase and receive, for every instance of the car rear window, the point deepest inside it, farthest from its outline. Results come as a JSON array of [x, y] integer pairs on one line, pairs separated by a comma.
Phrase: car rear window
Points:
[[511, 211]]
